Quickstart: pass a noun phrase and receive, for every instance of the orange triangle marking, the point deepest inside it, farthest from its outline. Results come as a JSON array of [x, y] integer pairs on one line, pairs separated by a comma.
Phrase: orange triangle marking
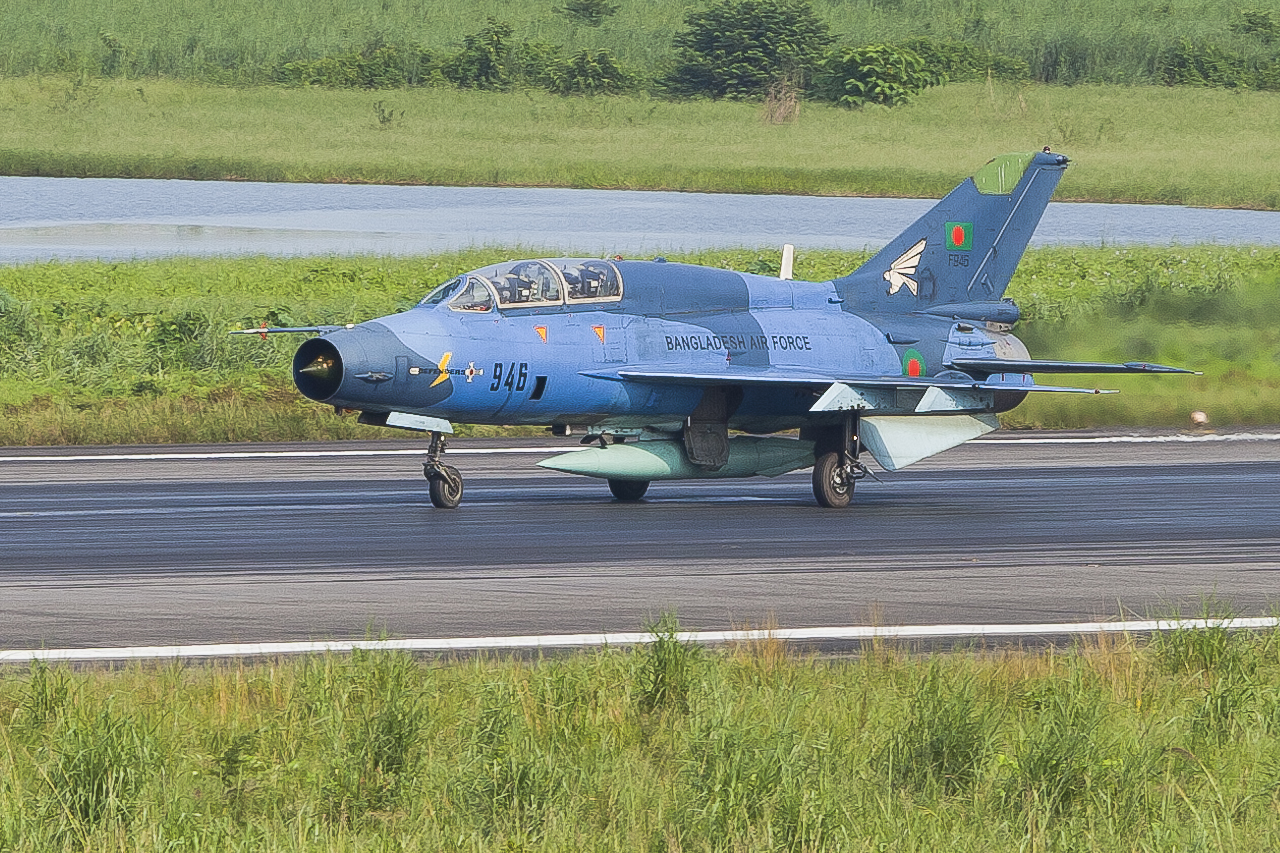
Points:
[[542, 332], [599, 330]]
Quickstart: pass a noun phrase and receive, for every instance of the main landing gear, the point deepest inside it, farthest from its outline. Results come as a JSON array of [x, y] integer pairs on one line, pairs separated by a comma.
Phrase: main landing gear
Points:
[[835, 464], [444, 483], [628, 490]]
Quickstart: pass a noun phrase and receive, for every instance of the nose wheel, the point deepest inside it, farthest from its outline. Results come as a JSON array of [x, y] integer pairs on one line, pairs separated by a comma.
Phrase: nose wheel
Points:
[[444, 482]]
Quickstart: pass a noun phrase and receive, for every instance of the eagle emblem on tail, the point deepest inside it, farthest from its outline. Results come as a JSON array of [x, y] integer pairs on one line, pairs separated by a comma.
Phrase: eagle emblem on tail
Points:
[[901, 270]]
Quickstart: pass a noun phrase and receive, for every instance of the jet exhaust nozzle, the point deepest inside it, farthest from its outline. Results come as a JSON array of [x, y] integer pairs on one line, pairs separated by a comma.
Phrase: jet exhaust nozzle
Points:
[[317, 369]]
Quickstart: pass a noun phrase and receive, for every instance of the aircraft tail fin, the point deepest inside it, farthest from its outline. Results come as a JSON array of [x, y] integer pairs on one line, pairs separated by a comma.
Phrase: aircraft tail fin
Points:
[[966, 247]]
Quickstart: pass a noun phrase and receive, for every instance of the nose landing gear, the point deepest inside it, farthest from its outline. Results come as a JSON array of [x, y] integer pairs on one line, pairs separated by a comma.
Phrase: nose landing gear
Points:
[[444, 482]]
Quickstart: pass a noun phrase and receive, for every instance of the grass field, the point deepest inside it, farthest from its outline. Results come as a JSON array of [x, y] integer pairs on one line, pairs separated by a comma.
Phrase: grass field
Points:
[[1147, 144], [96, 353], [239, 41], [1114, 745]]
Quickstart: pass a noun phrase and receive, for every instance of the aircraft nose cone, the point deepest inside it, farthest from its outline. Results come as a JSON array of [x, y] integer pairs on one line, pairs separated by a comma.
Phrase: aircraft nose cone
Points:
[[347, 365], [369, 367]]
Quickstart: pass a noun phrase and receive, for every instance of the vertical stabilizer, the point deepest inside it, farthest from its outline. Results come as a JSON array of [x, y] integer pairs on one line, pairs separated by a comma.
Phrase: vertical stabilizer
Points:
[[966, 247]]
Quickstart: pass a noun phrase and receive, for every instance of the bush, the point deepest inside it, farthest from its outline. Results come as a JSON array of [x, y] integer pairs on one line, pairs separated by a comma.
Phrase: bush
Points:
[[876, 74], [961, 62], [1193, 64], [375, 66], [588, 72], [737, 48], [485, 59], [1261, 23]]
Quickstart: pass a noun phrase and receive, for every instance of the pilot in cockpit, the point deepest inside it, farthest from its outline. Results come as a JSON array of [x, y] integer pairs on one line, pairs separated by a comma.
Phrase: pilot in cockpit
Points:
[[572, 279], [592, 279]]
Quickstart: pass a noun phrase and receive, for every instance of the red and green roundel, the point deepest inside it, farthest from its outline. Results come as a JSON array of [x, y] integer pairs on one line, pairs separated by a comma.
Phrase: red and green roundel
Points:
[[912, 363], [959, 236]]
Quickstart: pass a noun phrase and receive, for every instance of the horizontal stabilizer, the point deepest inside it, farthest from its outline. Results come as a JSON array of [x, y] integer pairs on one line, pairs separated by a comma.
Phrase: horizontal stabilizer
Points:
[[896, 441], [1004, 365]]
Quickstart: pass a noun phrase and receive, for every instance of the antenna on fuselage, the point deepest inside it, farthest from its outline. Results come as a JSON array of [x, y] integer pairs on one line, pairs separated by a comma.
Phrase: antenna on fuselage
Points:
[[788, 261]]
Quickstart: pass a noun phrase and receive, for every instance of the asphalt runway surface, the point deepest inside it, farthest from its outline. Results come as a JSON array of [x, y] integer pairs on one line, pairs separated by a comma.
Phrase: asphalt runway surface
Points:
[[100, 551]]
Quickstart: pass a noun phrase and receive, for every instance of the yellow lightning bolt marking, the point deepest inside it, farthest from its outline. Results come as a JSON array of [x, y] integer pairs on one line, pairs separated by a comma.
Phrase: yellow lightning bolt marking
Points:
[[443, 369]]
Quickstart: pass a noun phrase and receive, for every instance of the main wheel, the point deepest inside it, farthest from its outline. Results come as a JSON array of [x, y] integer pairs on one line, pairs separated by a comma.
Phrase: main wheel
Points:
[[831, 484], [628, 490], [445, 487]]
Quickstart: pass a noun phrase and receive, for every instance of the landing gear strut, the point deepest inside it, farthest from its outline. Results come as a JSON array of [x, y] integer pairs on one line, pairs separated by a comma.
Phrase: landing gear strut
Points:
[[835, 464], [444, 483]]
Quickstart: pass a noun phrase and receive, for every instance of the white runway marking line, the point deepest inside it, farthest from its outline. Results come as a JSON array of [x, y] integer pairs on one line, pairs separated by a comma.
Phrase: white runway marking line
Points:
[[1136, 439], [556, 641], [320, 454], [271, 454]]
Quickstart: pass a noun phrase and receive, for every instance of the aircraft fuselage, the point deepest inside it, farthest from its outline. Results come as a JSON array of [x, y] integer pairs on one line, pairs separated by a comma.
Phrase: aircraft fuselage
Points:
[[547, 364]]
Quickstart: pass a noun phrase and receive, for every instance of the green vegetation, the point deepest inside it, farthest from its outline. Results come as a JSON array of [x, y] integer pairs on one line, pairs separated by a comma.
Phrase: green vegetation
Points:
[[877, 74], [96, 353], [241, 42], [1114, 745], [739, 48], [1173, 146]]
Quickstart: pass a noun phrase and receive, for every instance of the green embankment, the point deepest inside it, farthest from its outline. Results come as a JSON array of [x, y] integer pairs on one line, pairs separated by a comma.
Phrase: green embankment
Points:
[[97, 353], [1148, 144], [1114, 745]]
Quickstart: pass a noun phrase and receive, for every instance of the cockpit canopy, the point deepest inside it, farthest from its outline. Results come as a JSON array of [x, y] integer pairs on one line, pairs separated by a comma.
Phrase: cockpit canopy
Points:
[[531, 284]]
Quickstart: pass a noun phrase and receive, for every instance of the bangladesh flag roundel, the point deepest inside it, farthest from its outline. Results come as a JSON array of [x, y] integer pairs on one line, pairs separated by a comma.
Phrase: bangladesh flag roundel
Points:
[[959, 236], [912, 363]]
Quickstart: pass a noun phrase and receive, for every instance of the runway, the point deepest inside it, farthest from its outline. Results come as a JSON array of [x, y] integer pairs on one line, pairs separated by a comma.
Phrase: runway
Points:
[[173, 545]]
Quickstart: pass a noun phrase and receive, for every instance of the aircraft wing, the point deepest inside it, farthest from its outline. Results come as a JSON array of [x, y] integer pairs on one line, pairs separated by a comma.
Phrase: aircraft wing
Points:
[[790, 378], [1004, 365], [290, 330]]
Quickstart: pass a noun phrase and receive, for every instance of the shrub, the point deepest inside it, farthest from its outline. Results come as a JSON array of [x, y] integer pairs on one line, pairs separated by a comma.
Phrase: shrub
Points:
[[1189, 63], [375, 66], [875, 74], [587, 72], [737, 48], [1261, 23], [485, 59], [961, 62]]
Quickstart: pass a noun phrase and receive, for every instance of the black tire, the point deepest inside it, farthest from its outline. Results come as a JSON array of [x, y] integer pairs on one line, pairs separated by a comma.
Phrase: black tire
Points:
[[831, 485], [445, 488], [628, 490]]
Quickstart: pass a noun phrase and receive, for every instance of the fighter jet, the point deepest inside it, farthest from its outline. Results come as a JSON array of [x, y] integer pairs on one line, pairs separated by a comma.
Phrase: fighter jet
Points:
[[672, 371]]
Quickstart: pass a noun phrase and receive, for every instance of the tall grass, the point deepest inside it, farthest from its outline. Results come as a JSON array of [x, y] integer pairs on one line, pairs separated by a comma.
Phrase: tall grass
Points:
[[1166, 145], [1101, 747], [240, 42], [138, 353]]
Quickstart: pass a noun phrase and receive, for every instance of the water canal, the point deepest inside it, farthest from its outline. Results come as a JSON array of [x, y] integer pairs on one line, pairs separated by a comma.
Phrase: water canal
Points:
[[117, 219]]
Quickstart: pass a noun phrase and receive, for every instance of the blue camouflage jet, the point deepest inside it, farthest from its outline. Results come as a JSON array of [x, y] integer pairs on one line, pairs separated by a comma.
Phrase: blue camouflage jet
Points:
[[673, 371]]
